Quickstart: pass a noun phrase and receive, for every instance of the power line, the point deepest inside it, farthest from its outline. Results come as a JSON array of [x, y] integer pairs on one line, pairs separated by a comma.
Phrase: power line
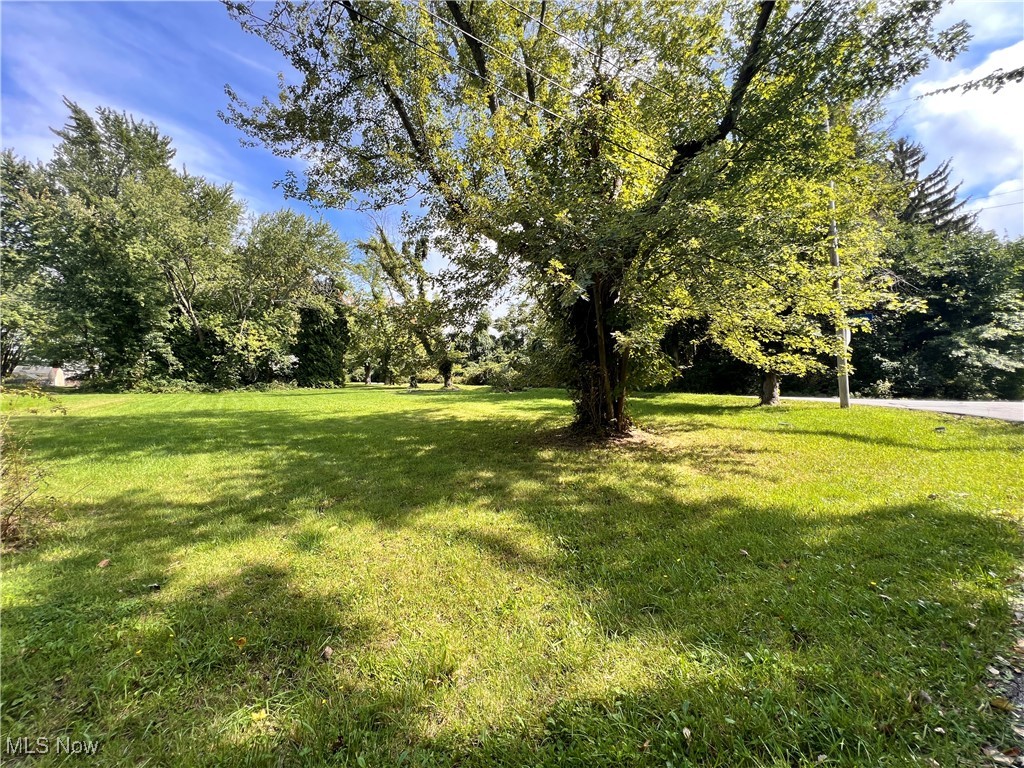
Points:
[[530, 70], [579, 44], [510, 92], [995, 194], [990, 207]]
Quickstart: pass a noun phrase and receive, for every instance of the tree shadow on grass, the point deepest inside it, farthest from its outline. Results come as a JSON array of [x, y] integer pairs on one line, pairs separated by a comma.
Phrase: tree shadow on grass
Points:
[[662, 403], [768, 633]]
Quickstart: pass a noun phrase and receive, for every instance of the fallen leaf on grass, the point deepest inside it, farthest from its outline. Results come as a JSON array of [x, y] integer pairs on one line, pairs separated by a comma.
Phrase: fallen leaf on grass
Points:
[[997, 757], [103, 563], [1002, 703], [326, 653]]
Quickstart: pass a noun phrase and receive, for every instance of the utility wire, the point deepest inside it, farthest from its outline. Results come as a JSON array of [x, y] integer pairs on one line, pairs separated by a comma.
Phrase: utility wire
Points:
[[510, 92], [996, 194], [990, 207], [531, 70], [578, 44]]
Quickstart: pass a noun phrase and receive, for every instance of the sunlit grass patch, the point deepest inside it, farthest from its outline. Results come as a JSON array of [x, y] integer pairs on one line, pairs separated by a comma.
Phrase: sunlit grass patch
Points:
[[319, 578]]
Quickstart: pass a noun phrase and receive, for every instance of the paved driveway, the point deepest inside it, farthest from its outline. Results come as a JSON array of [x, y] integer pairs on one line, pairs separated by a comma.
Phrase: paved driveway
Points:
[[1007, 410]]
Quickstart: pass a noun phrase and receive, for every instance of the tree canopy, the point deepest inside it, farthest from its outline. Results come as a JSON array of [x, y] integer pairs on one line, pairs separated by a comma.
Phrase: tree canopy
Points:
[[115, 260], [595, 153]]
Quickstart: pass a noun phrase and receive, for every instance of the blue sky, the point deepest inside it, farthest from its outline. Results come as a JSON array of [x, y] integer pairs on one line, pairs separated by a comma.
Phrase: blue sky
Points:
[[164, 62], [169, 62]]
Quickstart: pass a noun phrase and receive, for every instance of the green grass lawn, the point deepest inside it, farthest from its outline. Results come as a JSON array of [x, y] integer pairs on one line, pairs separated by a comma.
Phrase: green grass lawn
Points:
[[740, 587]]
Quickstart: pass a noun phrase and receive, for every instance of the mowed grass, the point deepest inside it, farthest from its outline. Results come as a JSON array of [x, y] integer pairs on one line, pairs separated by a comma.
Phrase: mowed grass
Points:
[[739, 587]]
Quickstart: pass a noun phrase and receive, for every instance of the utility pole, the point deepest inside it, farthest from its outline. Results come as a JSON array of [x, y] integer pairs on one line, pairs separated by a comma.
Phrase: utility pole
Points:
[[842, 329]]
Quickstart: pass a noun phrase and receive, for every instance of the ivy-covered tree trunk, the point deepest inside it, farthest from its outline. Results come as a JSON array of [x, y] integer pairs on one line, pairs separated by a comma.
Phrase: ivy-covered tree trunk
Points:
[[600, 381], [770, 394]]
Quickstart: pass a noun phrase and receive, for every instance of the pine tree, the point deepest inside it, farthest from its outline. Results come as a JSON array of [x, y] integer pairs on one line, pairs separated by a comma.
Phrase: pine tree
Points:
[[320, 346], [932, 202]]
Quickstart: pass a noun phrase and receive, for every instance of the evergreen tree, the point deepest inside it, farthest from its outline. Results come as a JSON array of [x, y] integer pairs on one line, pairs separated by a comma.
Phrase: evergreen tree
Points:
[[101, 290], [320, 346], [932, 202], [957, 331], [962, 333]]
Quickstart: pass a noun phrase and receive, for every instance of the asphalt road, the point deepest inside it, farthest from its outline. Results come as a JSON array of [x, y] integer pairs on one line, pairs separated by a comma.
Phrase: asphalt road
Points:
[[1007, 410]]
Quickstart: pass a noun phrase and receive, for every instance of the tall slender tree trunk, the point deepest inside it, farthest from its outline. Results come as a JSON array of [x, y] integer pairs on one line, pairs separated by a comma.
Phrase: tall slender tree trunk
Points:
[[770, 388], [367, 373]]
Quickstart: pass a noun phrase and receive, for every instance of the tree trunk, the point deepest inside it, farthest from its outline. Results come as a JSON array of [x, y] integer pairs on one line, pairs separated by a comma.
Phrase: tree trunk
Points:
[[367, 372], [10, 357], [445, 368], [413, 383], [770, 388], [599, 385]]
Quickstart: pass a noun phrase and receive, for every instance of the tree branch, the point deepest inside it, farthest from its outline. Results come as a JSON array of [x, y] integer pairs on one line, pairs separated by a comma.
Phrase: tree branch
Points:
[[419, 144], [475, 48], [531, 83], [686, 151]]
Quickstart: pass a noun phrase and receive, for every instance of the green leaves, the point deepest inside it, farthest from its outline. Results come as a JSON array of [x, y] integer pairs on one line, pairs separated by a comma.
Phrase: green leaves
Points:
[[120, 264], [627, 161]]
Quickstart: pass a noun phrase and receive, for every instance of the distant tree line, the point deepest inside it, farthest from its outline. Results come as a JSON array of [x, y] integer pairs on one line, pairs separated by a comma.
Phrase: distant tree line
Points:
[[117, 263], [133, 273], [136, 274]]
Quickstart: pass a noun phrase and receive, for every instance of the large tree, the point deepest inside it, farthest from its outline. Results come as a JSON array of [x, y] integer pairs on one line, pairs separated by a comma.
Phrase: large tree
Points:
[[25, 323], [186, 228], [422, 313], [959, 333], [114, 259], [106, 295], [284, 261], [575, 146]]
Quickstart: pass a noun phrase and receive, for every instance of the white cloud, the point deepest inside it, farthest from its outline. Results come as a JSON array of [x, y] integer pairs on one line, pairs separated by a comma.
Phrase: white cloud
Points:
[[1001, 208], [980, 130], [991, 21], [50, 52]]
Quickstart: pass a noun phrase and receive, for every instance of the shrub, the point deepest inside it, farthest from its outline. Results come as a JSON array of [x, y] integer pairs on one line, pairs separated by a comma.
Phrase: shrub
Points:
[[21, 513]]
